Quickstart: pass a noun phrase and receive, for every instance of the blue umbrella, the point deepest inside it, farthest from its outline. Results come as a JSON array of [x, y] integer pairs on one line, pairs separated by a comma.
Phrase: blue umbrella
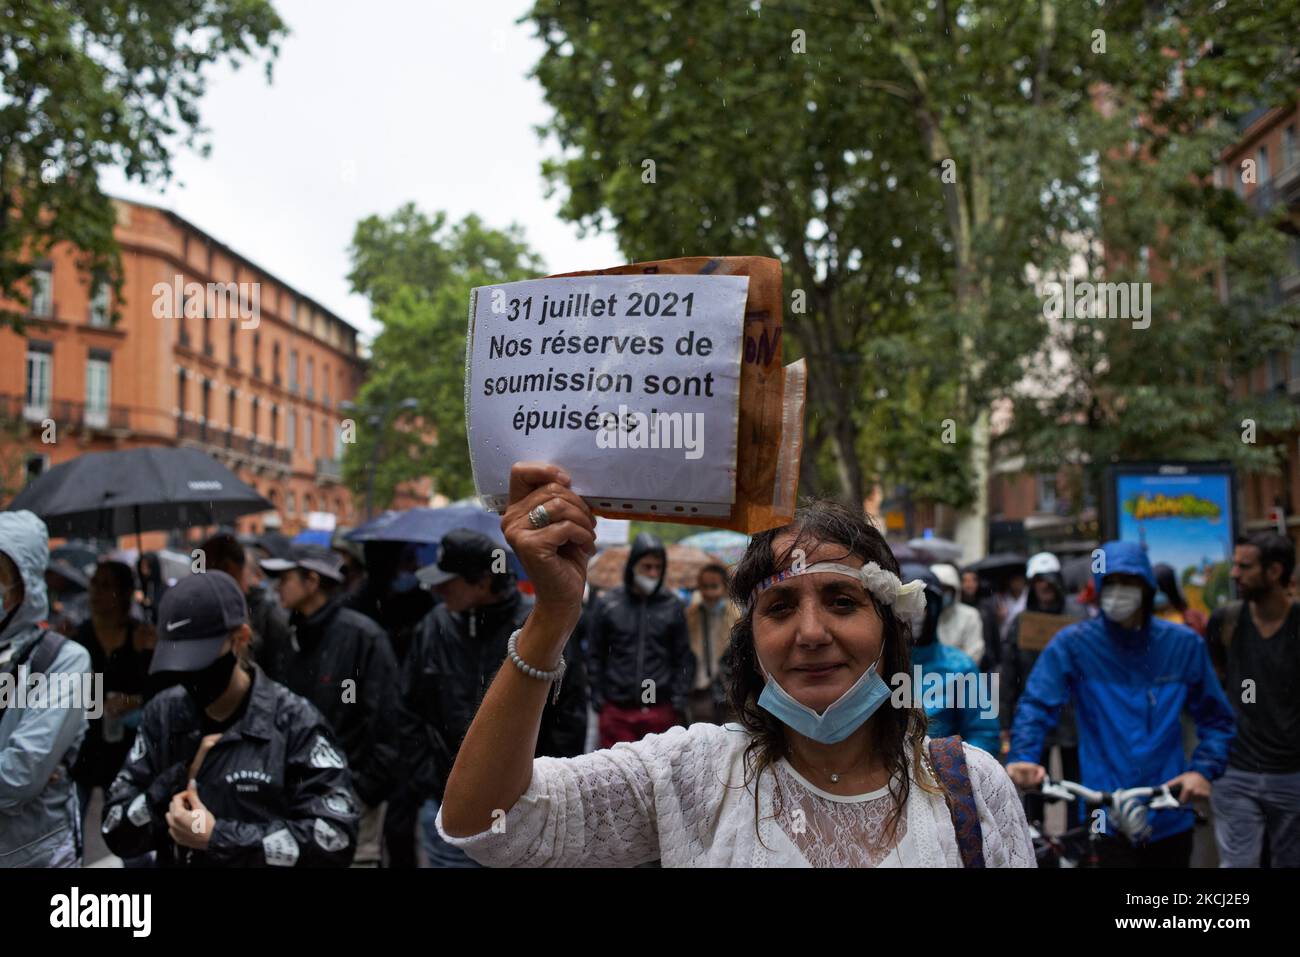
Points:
[[726, 545], [425, 526], [312, 536]]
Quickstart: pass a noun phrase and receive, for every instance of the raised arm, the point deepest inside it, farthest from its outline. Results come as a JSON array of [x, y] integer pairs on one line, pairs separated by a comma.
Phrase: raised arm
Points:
[[495, 764]]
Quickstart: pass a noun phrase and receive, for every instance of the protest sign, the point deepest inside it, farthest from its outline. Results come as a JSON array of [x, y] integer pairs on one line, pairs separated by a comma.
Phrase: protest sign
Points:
[[647, 383], [1038, 628]]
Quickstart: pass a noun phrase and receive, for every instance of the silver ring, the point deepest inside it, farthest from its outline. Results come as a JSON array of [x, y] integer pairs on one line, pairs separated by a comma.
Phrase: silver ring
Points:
[[538, 518]]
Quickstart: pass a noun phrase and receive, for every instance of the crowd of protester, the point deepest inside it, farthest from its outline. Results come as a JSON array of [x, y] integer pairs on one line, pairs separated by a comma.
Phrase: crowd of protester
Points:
[[305, 705]]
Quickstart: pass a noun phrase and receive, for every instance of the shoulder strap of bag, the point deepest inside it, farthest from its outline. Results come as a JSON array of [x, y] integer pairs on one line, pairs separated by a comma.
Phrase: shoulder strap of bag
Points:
[[39, 656], [949, 763]]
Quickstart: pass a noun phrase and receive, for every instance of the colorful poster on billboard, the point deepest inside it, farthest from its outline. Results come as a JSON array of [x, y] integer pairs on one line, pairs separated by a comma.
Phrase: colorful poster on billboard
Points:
[[1182, 513]]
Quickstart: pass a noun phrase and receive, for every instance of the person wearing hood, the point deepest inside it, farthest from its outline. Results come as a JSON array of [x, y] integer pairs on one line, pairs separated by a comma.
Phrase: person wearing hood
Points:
[[642, 665], [950, 671], [960, 624], [40, 820], [1047, 594], [456, 651], [342, 662], [1129, 675]]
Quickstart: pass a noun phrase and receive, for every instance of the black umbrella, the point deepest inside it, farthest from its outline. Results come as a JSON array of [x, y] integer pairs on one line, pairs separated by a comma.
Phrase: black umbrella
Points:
[[998, 561], [108, 494]]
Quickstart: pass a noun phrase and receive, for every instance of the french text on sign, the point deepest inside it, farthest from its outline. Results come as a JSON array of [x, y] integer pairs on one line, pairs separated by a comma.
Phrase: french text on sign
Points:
[[555, 366]]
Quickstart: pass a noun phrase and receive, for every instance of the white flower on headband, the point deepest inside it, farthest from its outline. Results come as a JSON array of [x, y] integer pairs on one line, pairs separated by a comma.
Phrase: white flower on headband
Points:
[[908, 601]]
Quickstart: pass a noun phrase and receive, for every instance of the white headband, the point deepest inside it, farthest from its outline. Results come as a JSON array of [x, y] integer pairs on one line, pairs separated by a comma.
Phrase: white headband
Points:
[[908, 601]]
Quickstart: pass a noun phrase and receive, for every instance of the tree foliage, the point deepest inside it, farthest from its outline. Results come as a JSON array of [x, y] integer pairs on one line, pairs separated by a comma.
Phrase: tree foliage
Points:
[[85, 85], [418, 271]]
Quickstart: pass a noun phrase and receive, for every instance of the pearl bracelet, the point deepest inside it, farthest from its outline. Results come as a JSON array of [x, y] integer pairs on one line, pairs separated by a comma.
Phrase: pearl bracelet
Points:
[[555, 677]]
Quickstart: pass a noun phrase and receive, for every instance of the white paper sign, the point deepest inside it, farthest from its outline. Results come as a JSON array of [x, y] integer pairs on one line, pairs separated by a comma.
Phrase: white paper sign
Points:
[[612, 531], [631, 383]]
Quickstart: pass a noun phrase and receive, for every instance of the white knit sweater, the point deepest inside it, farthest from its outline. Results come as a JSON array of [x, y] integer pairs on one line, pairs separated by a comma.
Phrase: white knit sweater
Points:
[[680, 798]]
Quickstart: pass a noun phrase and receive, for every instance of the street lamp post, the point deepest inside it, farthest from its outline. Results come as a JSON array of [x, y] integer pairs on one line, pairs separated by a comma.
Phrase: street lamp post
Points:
[[377, 416]]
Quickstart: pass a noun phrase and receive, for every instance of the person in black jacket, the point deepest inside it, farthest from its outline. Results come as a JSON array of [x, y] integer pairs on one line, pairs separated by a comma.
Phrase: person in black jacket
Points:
[[455, 654], [642, 665], [230, 769], [269, 622], [342, 662]]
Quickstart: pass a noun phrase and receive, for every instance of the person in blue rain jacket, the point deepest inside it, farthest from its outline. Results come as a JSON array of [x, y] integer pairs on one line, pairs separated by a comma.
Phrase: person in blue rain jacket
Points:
[[1130, 676]]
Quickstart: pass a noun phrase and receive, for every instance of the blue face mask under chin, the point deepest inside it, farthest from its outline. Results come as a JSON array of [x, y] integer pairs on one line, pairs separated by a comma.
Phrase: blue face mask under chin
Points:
[[845, 715]]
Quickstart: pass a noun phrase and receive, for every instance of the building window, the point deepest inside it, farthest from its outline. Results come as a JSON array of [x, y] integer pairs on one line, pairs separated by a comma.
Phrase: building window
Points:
[[306, 504], [180, 392], [257, 354], [42, 291], [99, 305], [1262, 173], [207, 407], [293, 312], [293, 370], [275, 363], [97, 392], [36, 400], [234, 355], [311, 378], [230, 410], [207, 334], [325, 382], [34, 465], [255, 416], [275, 424], [1289, 156], [1275, 370], [338, 442], [306, 437], [292, 503], [324, 437], [1045, 487], [291, 430]]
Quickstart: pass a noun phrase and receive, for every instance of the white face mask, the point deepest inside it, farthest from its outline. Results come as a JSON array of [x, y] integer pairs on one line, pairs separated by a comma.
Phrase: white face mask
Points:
[[645, 584], [1119, 602]]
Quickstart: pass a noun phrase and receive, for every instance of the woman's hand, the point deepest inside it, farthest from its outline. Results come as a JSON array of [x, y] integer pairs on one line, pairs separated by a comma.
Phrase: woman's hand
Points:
[[554, 556]]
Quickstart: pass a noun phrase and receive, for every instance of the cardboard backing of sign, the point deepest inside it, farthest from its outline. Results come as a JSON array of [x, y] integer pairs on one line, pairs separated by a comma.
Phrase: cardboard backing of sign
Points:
[[1038, 628], [770, 423]]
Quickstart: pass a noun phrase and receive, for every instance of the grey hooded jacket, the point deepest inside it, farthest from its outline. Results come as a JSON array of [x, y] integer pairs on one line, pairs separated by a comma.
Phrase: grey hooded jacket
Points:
[[38, 800]]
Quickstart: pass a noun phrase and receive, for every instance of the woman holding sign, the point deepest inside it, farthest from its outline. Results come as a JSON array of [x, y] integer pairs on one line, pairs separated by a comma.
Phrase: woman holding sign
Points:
[[822, 769]]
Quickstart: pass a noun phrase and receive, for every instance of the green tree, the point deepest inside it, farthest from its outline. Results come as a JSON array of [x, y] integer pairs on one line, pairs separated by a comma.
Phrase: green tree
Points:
[[85, 85], [909, 161], [418, 271], [792, 130]]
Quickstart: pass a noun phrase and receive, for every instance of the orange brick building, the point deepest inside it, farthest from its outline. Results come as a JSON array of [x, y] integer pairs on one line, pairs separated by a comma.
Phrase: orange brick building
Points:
[[258, 389]]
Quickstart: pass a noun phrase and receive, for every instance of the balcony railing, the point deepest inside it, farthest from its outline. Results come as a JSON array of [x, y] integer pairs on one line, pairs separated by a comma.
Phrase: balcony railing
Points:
[[66, 413], [226, 440]]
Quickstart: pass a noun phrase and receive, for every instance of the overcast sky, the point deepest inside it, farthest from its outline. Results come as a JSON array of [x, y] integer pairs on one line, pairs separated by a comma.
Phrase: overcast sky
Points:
[[371, 106]]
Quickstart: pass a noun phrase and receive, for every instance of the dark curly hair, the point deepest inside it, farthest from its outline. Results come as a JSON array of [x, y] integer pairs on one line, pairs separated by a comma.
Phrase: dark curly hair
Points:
[[894, 731]]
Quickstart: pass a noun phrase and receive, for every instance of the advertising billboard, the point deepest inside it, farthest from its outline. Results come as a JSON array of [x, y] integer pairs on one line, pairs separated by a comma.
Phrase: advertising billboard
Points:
[[1184, 514]]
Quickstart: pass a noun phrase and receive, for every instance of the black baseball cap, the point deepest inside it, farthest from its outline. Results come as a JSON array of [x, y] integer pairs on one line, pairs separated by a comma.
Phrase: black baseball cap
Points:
[[195, 618], [465, 553], [314, 558]]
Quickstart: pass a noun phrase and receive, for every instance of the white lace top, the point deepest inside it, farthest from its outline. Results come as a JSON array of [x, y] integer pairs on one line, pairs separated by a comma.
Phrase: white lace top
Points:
[[680, 798]]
